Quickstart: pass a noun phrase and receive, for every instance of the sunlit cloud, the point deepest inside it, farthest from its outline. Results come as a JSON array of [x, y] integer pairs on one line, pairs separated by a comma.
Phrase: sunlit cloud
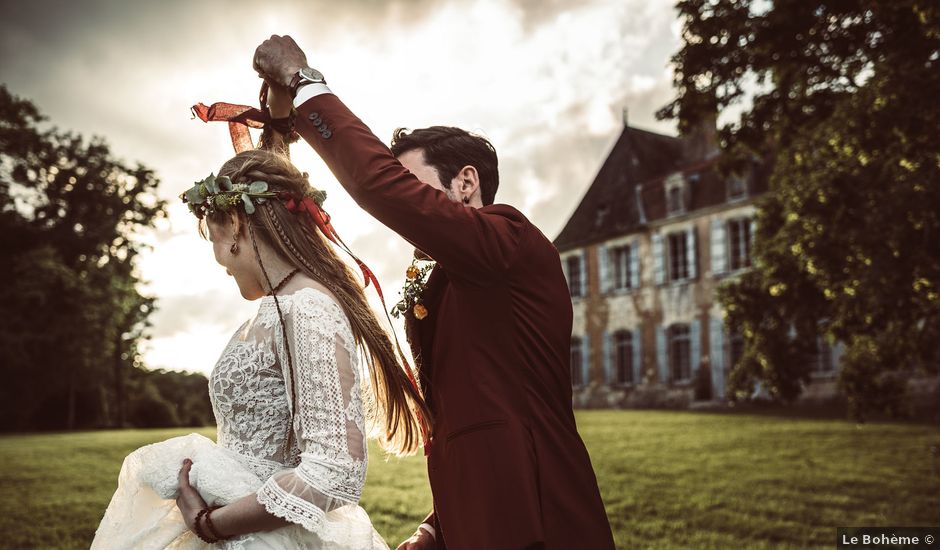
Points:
[[545, 81]]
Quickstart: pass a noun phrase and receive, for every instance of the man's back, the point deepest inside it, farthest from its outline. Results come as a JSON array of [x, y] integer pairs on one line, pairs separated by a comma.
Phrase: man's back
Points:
[[497, 356]]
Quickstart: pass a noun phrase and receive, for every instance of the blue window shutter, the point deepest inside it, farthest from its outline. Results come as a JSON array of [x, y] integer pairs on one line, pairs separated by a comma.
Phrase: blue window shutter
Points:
[[585, 359], [634, 277], [690, 251], [719, 255], [603, 261], [608, 360], [637, 356], [695, 337], [717, 356], [662, 358], [584, 272], [659, 260]]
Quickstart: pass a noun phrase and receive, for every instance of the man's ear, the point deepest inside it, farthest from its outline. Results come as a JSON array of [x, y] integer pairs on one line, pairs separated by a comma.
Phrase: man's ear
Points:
[[466, 183]]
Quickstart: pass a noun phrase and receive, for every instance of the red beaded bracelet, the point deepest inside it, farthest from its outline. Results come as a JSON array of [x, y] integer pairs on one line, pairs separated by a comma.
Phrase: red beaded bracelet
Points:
[[198, 529], [211, 527]]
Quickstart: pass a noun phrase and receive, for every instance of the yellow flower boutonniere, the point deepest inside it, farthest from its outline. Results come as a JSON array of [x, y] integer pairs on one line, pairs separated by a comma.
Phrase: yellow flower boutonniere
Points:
[[410, 303]]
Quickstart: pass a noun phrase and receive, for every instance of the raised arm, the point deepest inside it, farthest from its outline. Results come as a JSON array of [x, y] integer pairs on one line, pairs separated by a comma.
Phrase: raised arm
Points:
[[464, 240]]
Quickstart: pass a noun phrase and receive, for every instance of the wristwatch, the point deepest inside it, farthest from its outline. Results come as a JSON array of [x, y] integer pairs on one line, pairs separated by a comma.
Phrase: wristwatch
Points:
[[305, 76]]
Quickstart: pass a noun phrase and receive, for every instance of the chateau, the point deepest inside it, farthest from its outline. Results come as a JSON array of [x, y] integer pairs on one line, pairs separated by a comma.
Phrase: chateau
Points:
[[655, 234]]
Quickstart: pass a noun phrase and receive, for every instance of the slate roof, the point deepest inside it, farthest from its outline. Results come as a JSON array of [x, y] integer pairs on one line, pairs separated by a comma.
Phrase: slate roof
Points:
[[609, 207]]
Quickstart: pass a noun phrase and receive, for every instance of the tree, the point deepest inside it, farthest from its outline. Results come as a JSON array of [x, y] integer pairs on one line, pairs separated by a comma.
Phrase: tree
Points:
[[838, 101], [70, 312]]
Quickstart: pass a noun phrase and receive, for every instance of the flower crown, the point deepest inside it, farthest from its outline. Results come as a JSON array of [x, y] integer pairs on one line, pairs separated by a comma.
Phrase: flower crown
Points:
[[219, 193]]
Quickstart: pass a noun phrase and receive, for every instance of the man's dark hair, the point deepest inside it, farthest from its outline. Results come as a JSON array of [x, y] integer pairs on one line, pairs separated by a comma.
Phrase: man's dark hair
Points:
[[449, 149]]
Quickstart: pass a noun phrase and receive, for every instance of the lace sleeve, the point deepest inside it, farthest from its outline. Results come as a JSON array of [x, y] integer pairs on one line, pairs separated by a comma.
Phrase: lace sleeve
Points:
[[328, 424]]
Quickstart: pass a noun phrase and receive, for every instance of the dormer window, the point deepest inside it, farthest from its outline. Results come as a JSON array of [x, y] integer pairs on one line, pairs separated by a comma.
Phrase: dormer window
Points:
[[601, 215], [676, 195], [737, 186]]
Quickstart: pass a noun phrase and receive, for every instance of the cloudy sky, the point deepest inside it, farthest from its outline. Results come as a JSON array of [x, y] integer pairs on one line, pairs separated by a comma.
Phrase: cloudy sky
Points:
[[545, 80]]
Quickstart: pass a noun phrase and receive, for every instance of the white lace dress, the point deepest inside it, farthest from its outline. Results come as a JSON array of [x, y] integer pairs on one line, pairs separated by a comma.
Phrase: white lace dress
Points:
[[315, 485]]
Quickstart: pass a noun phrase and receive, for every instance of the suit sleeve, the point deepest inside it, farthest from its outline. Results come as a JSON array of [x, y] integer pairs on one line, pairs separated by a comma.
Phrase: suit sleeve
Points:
[[466, 241], [438, 539]]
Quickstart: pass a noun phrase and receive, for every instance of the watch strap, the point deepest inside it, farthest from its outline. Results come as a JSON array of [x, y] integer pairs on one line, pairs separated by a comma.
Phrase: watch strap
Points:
[[298, 81]]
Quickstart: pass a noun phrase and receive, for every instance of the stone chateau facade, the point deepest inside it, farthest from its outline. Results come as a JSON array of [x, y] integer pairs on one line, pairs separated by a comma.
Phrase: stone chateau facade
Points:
[[655, 234]]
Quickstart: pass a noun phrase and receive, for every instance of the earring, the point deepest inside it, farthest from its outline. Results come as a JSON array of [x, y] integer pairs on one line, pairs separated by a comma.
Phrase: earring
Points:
[[234, 248], [466, 200]]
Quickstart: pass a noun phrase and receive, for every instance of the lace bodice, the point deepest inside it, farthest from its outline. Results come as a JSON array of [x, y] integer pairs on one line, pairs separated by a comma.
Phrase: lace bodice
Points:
[[249, 388]]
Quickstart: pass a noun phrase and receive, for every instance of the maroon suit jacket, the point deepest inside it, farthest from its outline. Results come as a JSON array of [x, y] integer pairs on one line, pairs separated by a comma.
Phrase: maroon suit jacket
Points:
[[507, 467]]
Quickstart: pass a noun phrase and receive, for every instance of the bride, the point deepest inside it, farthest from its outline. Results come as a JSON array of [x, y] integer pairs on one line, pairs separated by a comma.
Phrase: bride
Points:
[[292, 399]]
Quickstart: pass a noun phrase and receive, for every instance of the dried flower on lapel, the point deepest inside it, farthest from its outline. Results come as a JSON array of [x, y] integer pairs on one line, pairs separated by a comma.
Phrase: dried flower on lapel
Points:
[[415, 279]]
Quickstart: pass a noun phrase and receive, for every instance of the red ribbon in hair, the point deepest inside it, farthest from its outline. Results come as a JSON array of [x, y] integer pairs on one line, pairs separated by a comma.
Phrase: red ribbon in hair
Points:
[[239, 118], [322, 219]]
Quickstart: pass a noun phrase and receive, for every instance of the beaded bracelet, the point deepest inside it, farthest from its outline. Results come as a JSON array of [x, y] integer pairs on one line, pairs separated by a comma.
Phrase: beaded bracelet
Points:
[[198, 529], [211, 527]]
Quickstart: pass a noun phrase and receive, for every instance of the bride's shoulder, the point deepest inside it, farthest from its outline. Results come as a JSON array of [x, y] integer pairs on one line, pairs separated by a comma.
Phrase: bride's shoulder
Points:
[[310, 297]]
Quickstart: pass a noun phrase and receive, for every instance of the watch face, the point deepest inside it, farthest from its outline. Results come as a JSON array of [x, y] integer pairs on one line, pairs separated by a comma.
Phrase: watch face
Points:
[[311, 74]]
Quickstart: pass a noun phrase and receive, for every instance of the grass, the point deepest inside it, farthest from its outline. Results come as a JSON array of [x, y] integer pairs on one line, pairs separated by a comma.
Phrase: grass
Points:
[[669, 480]]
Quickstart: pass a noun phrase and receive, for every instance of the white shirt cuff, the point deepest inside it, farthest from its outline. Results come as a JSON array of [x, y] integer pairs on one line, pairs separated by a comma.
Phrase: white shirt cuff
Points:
[[308, 91], [427, 527]]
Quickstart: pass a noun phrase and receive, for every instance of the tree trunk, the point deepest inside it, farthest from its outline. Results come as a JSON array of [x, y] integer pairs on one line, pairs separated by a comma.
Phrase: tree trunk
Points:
[[119, 380], [70, 414]]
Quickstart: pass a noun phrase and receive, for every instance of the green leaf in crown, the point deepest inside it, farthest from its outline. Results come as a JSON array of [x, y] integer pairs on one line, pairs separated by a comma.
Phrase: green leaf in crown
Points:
[[220, 193]]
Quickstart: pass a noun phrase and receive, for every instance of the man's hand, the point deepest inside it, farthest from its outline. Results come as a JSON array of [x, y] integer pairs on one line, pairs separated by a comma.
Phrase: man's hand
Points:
[[278, 58], [421, 540]]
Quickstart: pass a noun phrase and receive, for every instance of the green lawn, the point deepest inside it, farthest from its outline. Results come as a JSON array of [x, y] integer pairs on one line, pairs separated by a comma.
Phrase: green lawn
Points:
[[669, 479]]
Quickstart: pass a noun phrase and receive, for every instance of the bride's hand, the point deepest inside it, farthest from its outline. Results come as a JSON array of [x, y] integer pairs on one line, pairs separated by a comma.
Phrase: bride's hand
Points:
[[189, 502], [280, 102]]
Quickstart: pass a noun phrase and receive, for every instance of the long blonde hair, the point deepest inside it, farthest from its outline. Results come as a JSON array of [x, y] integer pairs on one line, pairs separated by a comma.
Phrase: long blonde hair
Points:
[[399, 410]]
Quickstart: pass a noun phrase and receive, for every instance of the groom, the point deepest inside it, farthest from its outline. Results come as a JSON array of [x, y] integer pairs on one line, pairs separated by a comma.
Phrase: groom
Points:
[[506, 465]]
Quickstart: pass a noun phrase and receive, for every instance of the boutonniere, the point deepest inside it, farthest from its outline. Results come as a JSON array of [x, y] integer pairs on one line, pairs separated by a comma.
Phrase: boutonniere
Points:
[[415, 279]]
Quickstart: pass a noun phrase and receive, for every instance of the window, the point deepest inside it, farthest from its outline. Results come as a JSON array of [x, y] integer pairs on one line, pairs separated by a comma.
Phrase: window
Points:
[[574, 275], [601, 215], [680, 353], [821, 362], [620, 268], [675, 195], [675, 205], [737, 187], [678, 257], [739, 243], [623, 358], [674, 256], [577, 369]]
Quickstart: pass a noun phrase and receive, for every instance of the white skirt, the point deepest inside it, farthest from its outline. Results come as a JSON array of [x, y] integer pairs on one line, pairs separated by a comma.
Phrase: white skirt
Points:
[[143, 515]]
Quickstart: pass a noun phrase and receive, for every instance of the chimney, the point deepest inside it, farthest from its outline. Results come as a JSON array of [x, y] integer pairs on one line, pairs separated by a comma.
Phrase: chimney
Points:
[[701, 141], [626, 118]]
